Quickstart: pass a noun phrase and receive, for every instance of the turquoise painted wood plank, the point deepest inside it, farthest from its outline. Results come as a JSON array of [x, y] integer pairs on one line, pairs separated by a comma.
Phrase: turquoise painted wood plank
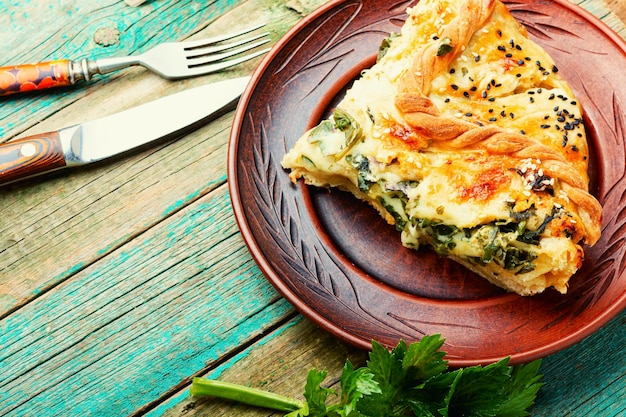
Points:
[[117, 199], [35, 31], [127, 329], [588, 379], [49, 231], [181, 399]]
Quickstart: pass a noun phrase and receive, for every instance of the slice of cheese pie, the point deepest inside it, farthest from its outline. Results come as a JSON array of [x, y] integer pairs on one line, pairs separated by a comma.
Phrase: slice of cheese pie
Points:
[[465, 137]]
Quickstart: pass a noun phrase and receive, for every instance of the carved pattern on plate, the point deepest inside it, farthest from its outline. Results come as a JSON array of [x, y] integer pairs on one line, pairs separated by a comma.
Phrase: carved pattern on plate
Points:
[[300, 257]]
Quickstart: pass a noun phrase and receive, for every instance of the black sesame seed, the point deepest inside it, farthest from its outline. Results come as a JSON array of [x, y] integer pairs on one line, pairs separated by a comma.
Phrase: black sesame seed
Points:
[[473, 88], [454, 86], [493, 119], [468, 114], [522, 132], [574, 148], [531, 92], [466, 94], [519, 48], [484, 94], [573, 103], [545, 126], [501, 48], [447, 100], [518, 75], [477, 58], [499, 32], [503, 113], [532, 100], [452, 71], [554, 68], [509, 55], [490, 110], [491, 99], [561, 119], [556, 108], [520, 62]]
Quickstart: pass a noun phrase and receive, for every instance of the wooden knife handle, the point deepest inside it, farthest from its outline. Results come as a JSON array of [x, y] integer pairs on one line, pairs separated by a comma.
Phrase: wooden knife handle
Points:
[[30, 156], [29, 77]]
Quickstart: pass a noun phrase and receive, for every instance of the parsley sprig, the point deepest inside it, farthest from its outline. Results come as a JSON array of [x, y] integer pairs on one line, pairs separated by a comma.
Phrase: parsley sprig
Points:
[[409, 380]]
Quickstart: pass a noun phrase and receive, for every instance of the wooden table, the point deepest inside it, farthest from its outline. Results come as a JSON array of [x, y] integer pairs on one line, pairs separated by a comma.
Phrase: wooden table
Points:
[[121, 281]]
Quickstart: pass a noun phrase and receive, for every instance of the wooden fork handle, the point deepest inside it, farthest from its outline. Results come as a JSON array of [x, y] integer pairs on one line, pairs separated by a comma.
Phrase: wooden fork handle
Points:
[[29, 77]]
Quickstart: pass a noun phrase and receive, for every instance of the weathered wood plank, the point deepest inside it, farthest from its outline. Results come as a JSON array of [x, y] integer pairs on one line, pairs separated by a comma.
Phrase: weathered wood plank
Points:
[[608, 16], [124, 331], [43, 244], [35, 31], [618, 7], [280, 365]]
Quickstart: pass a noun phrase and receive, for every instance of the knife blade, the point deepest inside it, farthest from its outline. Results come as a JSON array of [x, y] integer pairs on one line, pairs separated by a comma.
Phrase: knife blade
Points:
[[99, 139]]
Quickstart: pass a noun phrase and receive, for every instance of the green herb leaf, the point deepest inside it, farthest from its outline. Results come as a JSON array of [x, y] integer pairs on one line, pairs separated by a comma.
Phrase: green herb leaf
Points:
[[355, 384], [316, 395], [384, 45], [521, 390], [407, 380], [445, 47], [320, 131], [350, 127]]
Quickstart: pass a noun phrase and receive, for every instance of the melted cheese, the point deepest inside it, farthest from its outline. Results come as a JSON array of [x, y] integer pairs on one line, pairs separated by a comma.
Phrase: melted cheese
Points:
[[502, 217]]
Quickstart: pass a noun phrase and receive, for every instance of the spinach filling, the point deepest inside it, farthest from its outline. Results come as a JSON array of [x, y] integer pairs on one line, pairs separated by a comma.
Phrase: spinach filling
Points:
[[351, 129], [494, 239], [497, 239]]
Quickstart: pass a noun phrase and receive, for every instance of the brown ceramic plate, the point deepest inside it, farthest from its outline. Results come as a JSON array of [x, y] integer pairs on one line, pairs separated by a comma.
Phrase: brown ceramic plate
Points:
[[344, 268]]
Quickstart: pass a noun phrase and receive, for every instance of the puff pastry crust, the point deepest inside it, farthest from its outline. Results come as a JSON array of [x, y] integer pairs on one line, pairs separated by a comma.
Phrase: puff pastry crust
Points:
[[466, 138]]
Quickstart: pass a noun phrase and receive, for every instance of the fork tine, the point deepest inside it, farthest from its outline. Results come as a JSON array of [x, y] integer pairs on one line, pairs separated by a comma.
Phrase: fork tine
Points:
[[201, 49], [221, 38], [203, 59], [207, 68]]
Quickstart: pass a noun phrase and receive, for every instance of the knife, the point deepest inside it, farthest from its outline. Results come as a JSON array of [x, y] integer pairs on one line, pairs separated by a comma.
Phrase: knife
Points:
[[93, 141]]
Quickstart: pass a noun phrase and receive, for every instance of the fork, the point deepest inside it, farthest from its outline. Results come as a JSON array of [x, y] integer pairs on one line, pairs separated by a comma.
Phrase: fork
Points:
[[171, 60]]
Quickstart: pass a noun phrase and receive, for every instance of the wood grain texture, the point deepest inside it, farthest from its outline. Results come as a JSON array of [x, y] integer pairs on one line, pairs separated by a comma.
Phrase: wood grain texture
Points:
[[122, 280], [130, 194], [280, 365], [30, 156], [618, 7], [36, 31], [152, 313]]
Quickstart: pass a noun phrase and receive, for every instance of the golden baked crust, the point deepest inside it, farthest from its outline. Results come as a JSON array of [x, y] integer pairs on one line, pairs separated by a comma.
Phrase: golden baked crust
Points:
[[466, 138]]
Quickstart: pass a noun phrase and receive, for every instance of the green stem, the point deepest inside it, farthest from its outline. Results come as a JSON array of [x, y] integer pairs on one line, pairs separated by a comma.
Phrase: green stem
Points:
[[246, 395]]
